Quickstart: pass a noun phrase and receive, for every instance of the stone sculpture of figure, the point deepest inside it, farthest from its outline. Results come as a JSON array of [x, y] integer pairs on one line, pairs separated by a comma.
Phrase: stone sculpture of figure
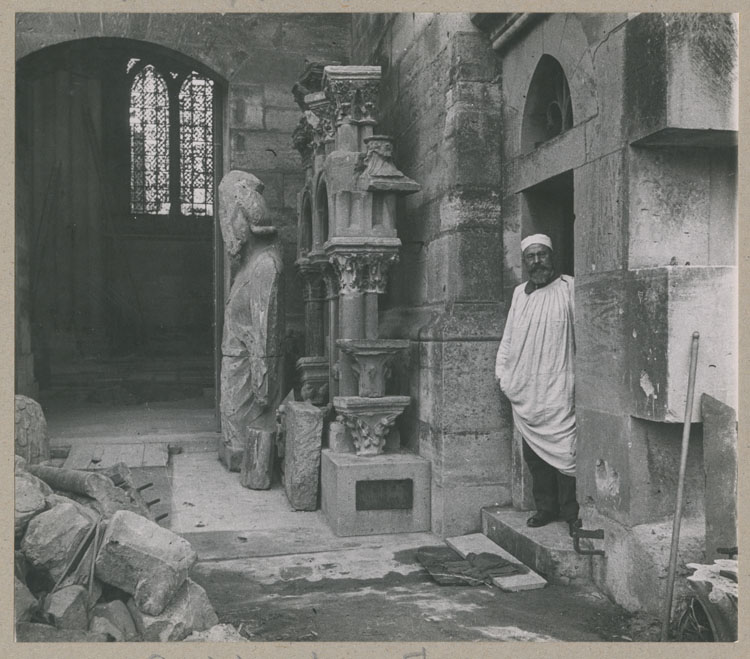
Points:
[[252, 363]]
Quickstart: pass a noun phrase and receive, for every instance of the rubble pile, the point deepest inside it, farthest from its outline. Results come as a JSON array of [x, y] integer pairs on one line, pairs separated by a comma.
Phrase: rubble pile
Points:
[[91, 565]]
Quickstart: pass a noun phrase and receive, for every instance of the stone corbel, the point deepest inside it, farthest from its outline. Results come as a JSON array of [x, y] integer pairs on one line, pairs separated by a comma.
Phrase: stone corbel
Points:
[[379, 172]]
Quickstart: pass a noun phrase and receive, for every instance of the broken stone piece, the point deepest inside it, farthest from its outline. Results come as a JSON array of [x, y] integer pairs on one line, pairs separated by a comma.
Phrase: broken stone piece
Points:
[[34, 632], [67, 608], [189, 611], [32, 442], [25, 603], [217, 634], [53, 537], [29, 502], [303, 424], [144, 559], [256, 470], [55, 499], [113, 618]]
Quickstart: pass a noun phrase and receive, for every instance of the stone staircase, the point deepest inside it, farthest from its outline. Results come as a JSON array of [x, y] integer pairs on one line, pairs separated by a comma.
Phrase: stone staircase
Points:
[[547, 550]]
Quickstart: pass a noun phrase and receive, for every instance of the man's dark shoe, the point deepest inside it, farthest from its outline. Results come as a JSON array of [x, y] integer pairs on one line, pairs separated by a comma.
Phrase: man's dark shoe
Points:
[[574, 525], [540, 519]]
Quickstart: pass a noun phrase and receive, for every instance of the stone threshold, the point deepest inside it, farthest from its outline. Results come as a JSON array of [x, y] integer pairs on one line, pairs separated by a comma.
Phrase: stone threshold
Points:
[[547, 550]]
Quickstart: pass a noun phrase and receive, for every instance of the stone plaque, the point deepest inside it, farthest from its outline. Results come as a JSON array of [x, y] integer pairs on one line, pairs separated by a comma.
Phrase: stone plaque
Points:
[[384, 494]]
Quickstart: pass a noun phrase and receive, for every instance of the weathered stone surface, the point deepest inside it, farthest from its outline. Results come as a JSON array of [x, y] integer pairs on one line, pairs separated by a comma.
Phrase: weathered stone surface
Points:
[[31, 431], [190, 610], [67, 608], [217, 634], [143, 559], [256, 469], [303, 423], [113, 618], [53, 537], [24, 602], [55, 499], [720, 468], [33, 632], [29, 502], [20, 464]]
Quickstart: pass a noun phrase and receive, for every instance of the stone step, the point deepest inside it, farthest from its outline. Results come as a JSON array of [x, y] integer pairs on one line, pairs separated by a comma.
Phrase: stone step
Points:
[[476, 543], [548, 550]]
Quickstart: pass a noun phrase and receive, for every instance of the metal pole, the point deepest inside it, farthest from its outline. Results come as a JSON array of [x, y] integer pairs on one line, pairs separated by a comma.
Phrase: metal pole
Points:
[[680, 488]]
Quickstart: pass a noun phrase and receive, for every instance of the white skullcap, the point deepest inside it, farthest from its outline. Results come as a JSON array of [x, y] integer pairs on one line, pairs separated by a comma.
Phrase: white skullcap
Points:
[[536, 239]]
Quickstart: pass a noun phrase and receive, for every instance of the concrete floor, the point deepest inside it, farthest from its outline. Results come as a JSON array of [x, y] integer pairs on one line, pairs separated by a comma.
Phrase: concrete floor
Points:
[[281, 575]]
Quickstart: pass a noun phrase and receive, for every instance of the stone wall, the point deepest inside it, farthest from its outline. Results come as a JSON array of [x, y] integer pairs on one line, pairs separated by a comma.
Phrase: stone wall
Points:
[[258, 57], [440, 100], [653, 160]]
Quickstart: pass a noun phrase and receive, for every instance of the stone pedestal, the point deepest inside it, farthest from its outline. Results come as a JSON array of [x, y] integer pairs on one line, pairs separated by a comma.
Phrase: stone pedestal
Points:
[[382, 494]]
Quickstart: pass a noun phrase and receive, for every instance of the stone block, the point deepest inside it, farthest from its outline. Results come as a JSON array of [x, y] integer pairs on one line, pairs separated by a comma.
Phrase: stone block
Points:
[[143, 559], [24, 603], [217, 634], [681, 72], [32, 442], [282, 120], [720, 468], [387, 493], [246, 106], [456, 508], [472, 150], [67, 608], [547, 550], [29, 502], [53, 537], [471, 59], [113, 618], [270, 151], [188, 611], [472, 458], [256, 468], [627, 467], [634, 571], [34, 632], [303, 425], [601, 326], [666, 306], [600, 193]]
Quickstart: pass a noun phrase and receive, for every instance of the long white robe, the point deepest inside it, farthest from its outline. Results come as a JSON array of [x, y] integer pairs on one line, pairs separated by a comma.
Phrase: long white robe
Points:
[[535, 367]]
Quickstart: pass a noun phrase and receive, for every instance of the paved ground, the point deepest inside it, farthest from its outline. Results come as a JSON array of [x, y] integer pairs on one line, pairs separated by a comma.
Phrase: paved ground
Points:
[[281, 575]]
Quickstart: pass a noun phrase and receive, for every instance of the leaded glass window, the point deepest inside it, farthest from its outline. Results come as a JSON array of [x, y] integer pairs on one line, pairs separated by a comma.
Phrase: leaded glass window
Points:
[[171, 167], [196, 146], [149, 143]]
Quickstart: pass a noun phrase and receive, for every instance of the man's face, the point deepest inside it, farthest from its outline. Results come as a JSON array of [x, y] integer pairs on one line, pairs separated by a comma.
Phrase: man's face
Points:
[[538, 260]]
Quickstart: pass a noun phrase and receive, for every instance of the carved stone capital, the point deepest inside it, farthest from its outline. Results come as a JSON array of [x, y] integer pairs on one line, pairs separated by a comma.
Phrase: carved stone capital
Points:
[[363, 271], [349, 268], [303, 140], [320, 116], [370, 420], [353, 91]]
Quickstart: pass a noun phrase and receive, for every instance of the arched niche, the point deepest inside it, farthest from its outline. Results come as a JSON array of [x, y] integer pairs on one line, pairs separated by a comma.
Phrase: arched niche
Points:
[[321, 229], [305, 236], [548, 111]]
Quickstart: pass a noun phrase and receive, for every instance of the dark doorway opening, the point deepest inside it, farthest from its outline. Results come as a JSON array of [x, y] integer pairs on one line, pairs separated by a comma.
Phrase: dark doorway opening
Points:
[[548, 207]]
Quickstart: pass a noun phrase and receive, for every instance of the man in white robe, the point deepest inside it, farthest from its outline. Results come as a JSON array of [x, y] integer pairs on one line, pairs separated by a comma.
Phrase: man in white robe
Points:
[[535, 368]]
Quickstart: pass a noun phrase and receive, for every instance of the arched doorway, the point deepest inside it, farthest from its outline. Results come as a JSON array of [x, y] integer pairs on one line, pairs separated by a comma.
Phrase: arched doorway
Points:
[[118, 155]]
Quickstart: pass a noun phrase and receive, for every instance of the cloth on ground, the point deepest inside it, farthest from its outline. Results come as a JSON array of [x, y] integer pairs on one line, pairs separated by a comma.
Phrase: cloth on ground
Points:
[[448, 569]]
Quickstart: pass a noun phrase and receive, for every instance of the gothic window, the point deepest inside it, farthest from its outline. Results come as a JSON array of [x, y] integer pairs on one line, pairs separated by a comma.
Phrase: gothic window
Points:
[[196, 146], [171, 142], [149, 143]]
